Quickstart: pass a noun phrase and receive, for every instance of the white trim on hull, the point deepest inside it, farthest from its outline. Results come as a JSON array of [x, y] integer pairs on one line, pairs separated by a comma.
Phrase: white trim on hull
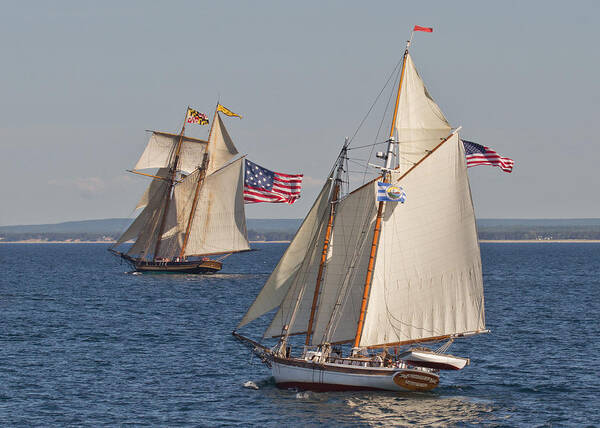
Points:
[[303, 374]]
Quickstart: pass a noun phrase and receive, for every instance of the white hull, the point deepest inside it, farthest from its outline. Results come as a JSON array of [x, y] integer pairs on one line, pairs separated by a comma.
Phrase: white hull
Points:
[[296, 373], [424, 358]]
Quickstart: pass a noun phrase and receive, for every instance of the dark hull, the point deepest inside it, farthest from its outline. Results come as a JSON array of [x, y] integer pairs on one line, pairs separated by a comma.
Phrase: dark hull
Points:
[[200, 267], [187, 266]]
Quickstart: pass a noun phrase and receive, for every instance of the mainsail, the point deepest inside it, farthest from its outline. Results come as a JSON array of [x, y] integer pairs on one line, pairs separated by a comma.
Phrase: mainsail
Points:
[[427, 280], [219, 222]]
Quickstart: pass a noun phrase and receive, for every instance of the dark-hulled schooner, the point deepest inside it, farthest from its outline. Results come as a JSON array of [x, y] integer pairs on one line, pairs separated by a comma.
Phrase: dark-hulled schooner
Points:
[[193, 210]]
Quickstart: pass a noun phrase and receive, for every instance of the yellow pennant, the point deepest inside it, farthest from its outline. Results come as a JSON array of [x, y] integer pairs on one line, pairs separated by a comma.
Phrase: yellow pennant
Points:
[[227, 111]]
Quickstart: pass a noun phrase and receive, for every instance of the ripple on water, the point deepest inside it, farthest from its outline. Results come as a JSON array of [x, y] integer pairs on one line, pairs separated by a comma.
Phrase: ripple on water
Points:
[[86, 344]]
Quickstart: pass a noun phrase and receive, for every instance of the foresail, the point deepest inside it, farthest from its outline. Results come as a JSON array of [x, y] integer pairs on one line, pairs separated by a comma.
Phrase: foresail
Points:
[[427, 278], [160, 152], [298, 257], [157, 192], [219, 223], [344, 279], [221, 147], [176, 224], [148, 236], [152, 188], [420, 124]]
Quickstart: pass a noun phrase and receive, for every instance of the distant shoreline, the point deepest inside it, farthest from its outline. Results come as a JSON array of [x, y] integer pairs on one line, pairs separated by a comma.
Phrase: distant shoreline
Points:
[[43, 241], [483, 241], [539, 241]]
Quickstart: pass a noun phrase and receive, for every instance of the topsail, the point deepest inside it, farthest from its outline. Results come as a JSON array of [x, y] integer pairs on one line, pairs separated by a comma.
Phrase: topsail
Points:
[[420, 123], [160, 152]]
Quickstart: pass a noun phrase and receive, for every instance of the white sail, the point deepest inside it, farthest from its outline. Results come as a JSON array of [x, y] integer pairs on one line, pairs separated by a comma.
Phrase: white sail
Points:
[[221, 147], [343, 285], [219, 223], [160, 152], [295, 309], [420, 124], [157, 192], [148, 235], [298, 258], [179, 214], [427, 278], [154, 185]]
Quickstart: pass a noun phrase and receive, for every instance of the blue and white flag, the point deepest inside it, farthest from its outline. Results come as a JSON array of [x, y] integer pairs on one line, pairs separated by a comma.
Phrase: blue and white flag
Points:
[[390, 193]]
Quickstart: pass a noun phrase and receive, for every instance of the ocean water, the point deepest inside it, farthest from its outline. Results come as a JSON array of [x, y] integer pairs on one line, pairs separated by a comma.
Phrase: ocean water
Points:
[[84, 342]]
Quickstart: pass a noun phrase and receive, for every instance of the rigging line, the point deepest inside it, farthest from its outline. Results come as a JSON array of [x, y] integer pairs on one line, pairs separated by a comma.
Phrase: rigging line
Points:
[[376, 99], [387, 106], [359, 162], [367, 145]]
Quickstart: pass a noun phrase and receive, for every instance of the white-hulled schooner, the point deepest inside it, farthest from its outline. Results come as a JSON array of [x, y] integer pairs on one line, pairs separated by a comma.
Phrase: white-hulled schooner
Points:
[[193, 208], [366, 282]]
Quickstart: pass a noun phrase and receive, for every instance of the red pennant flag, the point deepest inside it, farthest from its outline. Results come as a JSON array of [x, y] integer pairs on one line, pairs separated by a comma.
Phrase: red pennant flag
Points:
[[426, 29]]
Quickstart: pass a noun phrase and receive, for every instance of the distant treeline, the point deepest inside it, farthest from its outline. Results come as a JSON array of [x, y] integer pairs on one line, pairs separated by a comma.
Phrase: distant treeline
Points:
[[270, 236], [57, 236], [102, 237], [503, 232], [539, 232]]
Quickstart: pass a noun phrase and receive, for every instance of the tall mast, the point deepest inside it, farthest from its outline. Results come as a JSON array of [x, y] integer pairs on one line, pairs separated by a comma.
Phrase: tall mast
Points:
[[332, 205], [376, 233], [201, 178], [171, 180]]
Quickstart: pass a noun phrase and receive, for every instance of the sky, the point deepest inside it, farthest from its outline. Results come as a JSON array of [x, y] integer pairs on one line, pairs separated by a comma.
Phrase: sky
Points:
[[82, 81]]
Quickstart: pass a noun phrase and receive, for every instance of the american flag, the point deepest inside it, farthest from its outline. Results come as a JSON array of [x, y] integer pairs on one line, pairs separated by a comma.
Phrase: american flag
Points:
[[262, 185], [480, 155]]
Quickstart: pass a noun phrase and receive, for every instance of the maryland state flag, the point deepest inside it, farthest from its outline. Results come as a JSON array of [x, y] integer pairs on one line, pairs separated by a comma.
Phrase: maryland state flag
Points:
[[227, 111], [196, 117]]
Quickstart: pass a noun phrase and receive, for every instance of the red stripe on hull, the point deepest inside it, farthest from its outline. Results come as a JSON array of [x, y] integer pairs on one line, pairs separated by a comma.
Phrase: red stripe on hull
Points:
[[324, 387]]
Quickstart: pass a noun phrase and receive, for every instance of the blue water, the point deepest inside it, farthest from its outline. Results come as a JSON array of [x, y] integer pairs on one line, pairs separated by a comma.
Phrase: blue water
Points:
[[83, 342]]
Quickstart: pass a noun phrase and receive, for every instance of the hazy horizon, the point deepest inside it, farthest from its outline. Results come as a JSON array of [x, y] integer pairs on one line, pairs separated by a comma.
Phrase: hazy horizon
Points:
[[82, 81], [297, 218]]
